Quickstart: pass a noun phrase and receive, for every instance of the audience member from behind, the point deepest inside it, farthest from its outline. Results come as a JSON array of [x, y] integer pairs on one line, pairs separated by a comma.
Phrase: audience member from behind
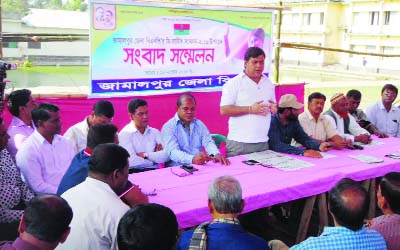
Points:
[[147, 227], [44, 225], [285, 127], [354, 98], [142, 141], [14, 193], [316, 125], [78, 170], [45, 155], [344, 123], [184, 136], [384, 114], [103, 112], [388, 198], [20, 103], [348, 205], [248, 99], [225, 203], [95, 202]]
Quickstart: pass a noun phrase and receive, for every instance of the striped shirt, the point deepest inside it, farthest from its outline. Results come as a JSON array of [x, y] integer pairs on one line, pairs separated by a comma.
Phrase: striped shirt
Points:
[[389, 227]]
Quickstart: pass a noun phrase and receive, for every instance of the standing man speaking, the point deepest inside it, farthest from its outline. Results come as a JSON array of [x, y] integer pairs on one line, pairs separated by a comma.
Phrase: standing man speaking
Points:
[[248, 99]]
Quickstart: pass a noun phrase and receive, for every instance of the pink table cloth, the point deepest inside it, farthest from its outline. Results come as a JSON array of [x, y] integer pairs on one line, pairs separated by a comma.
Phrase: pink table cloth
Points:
[[263, 187]]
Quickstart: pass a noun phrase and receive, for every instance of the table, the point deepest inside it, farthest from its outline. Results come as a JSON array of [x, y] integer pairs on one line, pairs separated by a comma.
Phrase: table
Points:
[[263, 187]]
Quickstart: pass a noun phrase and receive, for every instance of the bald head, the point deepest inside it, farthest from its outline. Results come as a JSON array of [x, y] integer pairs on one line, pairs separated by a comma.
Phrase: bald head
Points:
[[348, 203]]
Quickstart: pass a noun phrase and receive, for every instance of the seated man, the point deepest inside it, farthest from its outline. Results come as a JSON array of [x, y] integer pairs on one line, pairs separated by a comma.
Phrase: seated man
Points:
[[142, 141], [103, 112], [344, 123], [44, 224], [184, 136], [95, 202], [316, 125], [384, 114], [388, 197], [45, 155], [148, 226], [224, 232], [20, 104], [348, 205], [354, 98], [285, 126], [78, 169], [14, 193]]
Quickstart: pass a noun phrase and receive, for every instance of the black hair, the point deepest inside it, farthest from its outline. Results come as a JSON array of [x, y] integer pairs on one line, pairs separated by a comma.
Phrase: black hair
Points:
[[107, 158], [183, 97], [134, 104], [147, 227], [355, 94], [253, 52], [348, 202], [47, 217], [101, 133], [17, 99], [390, 189], [316, 95], [389, 87], [104, 108], [42, 112]]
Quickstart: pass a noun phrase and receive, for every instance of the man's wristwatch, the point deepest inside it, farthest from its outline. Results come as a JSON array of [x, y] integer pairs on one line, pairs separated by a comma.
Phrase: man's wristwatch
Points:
[[145, 156]]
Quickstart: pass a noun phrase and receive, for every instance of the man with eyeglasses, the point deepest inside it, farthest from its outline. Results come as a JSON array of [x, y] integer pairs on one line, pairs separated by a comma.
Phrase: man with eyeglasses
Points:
[[344, 123], [383, 114], [184, 136], [142, 141]]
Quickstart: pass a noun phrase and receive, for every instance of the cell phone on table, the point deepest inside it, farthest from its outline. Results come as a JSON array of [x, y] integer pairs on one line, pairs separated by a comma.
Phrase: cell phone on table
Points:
[[251, 162], [189, 168]]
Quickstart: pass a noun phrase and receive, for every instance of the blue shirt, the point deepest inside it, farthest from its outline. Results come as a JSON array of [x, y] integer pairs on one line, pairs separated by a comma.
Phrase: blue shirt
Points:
[[224, 236], [280, 137], [183, 144], [342, 238], [76, 173]]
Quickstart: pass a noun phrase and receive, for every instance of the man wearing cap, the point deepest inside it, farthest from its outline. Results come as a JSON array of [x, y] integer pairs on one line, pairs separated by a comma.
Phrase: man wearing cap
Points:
[[344, 123], [318, 126], [285, 126]]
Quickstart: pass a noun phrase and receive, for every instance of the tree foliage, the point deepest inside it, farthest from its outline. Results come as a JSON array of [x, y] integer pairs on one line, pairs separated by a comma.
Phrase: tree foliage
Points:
[[21, 7]]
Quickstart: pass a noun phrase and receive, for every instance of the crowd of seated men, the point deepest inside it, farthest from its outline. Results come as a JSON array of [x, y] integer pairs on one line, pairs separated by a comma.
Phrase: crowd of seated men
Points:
[[98, 208]]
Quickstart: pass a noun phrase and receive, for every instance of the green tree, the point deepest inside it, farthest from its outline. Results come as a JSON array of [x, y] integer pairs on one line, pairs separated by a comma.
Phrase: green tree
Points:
[[75, 5], [54, 4], [19, 7]]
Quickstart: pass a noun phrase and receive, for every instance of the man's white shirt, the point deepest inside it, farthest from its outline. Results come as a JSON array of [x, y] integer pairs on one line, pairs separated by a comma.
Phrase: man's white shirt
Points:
[[77, 135]]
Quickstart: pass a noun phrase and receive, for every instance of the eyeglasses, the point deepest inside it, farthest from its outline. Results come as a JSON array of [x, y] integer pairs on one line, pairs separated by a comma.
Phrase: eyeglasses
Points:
[[389, 94], [179, 172]]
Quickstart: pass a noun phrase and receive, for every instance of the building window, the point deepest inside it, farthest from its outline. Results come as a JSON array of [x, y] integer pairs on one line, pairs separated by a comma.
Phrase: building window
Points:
[[352, 48], [296, 19], [307, 18], [374, 18], [11, 45], [387, 17], [321, 18], [34, 45]]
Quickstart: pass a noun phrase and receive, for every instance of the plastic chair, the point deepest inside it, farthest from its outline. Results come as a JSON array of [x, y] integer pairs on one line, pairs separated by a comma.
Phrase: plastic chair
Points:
[[218, 139]]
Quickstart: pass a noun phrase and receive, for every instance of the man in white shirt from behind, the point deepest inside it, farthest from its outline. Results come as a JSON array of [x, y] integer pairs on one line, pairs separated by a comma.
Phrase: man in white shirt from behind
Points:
[[45, 155], [96, 206], [142, 141], [20, 104], [317, 125], [103, 112]]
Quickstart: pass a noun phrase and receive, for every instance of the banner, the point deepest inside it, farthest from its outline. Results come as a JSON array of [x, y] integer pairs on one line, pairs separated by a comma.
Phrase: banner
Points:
[[150, 49]]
